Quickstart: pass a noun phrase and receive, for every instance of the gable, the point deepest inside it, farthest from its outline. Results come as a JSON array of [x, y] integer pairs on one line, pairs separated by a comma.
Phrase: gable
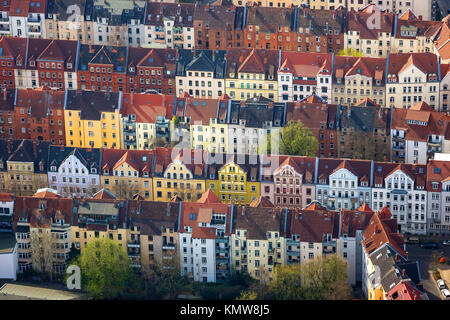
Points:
[[342, 174]]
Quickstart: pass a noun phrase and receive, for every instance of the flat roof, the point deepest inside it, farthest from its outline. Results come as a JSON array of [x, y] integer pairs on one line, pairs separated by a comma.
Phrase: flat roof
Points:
[[11, 291], [7, 242]]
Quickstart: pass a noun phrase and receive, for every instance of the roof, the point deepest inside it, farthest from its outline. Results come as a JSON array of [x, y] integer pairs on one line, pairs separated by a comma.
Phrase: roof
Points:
[[104, 193], [26, 292], [89, 157], [352, 221], [164, 59], [7, 243], [311, 226], [303, 165], [104, 208], [258, 221], [370, 67], [201, 60], [180, 13], [437, 171], [92, 103], [404, 291], [152, 216], [39, 102], [424, 61], [165, 157], [257, 112], [258, 61], [147, 108], [139, 160], [359, 21], [30, 151], [261, 202], [208, 197], [381, 230], [360, 168], [46, 193], [109, 56], [305, 64], [215, 17]]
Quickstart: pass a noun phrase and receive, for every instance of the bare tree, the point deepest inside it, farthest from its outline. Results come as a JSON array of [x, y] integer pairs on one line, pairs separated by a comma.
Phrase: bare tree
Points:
[[42, 251]]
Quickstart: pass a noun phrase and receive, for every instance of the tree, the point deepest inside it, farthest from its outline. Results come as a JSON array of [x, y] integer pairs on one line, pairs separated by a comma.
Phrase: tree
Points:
[[295, 139], [326, 278], [105, 269], [42, 251], [322, 278], [350, 52], [166, 280]]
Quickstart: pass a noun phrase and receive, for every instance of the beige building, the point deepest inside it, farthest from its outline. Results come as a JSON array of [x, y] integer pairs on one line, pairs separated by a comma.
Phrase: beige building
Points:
[[412, 78], [257, 244]]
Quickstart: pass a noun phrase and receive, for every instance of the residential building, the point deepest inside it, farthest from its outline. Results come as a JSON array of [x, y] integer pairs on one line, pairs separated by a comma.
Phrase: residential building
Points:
[[301, 75], [92, 119], [42, 225], [74, 172], [153, 234], [412, 78], [417, 133], [438, 196], [39, 115], [205, 233], [12, 59], [251, 73], [201, 73], [151, 70], [128, 173], [178, 173], [257, 242], [401, 188], [102, 68], [60, 22], [343, 184], [9, 261]]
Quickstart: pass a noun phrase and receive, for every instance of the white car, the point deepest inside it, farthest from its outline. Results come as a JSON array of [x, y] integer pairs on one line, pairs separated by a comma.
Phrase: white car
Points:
[[445, 293], [440, 284], [446, 242]]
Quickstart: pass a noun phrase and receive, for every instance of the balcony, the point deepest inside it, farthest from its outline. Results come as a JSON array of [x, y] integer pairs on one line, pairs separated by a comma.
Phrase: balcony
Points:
[[292, 243], [32, 20], [398, 147], [4, 20], [222, 240], [133, 244], [168, 246], [271, 250], [293, 253], [4, 29]]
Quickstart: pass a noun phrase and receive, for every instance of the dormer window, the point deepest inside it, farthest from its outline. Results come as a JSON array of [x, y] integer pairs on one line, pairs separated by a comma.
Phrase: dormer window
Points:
[[32, 64], [93, 170], [106, 172], [53, 168], [131, 69], [69, 66]]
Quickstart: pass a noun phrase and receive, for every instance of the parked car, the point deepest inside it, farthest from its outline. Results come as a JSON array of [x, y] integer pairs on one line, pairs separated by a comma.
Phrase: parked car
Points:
[[446, 242], [429, 245], [440, 284], [445, 293]]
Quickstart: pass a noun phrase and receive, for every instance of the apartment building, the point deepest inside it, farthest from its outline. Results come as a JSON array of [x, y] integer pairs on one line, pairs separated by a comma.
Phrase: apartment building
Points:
[[127, 173], [9, 259], [92, 119], [438, 196], [153, 235], [146, 120], [412, 78], [25, 165], [178, 173], [201, 73], [102, 68], [74, 172], [13, 60], [444, 88], [151, 70], [60, 22], [204, 239], [356, 79], [39, 115], [417, 133], [401, 188], [303, 74], [291, 184], [257, 242], [343, 184], [251, 73], [42, 224]]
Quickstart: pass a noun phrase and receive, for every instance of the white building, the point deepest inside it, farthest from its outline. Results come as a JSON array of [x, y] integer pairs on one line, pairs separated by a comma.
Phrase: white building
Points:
[[74, 172]]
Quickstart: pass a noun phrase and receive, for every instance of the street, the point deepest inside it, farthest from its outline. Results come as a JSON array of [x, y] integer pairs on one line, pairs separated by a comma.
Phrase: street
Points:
[[415, 252]]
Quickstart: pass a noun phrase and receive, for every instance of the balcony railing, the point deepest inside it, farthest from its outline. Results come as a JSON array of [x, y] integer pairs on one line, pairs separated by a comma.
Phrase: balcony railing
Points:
[[168, 246], [133, 244]]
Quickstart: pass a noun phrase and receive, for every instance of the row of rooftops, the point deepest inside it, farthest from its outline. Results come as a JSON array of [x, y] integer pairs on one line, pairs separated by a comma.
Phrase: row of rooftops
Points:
[[419, 122], [223, 64], [314, 223], [204, 165]]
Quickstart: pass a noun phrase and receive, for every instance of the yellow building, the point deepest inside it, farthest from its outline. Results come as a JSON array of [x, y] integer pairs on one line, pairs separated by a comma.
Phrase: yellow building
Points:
[[127, 173], [99, 218], [26, 166], [232, 182], [257, 244], [92, 119], [182, 177], [251, 73]]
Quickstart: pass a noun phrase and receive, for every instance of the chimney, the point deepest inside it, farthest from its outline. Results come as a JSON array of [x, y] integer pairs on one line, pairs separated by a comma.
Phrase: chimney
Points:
[[4, 94], [35, 147], [404, 272], [9, 146]]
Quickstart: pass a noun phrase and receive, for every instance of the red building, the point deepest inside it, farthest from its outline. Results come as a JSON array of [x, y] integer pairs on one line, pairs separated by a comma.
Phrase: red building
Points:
[[102, 68], [7, 114], [55, 62], [320, 118], [39, 115], [151, 70], [12, 55]]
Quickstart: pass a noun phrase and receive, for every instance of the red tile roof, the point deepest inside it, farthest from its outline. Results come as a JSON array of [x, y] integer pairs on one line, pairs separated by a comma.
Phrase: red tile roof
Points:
[[112, 158], [381, 230], [404, 291], [437, 171], [147, 107], [302, 64], [208, 197]]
